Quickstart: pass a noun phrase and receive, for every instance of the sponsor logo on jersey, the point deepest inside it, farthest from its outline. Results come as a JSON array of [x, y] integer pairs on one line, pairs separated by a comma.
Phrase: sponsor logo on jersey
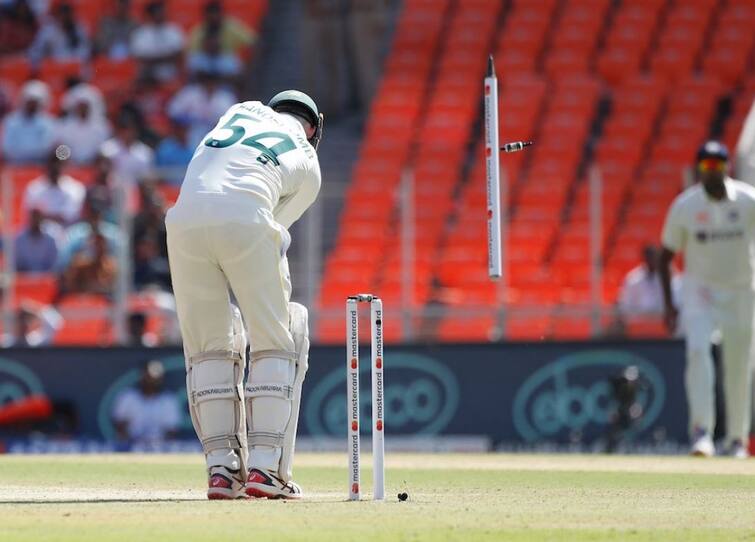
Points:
[[704, 236], [702, 217]]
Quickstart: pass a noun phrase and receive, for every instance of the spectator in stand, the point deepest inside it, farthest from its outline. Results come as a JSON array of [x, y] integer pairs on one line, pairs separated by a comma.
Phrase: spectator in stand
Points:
[[6, 101], [157, 43], [148, 102], [131, 159], [150, 267], [85, 127], [78, 236], [113, 38], [61, 37], [150, 255], [147, 415], [57, 196], [18, 26], [131, 111], [200, 105], [235, 36], [92, 271], [76, 90], [100, 193], [29, 131], [641, 292], [211, 58], [174, 153], [36, 249], [36, 325], [137, 331]]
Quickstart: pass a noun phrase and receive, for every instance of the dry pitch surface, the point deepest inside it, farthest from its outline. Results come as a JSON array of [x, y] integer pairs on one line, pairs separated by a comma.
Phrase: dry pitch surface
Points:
[[452, 497]]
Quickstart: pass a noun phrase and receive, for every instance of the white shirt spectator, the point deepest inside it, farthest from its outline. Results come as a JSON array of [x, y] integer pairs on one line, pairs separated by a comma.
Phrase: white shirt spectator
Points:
[[54, 41], [148, 417], [200, 106], [131, 162], [29, 131], [62, 199], [49, 321], [151, 42], [85, 127]]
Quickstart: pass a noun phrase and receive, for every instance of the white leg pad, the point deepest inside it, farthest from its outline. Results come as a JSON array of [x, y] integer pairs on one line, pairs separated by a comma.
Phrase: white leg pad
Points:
[[299, 325], [268, 401], [216, 403], [273, 394]]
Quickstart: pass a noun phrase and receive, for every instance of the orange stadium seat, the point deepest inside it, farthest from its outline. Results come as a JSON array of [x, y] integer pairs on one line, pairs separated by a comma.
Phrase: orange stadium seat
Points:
[[86, 321], [527, 328], [39, 287], [461, 329], [15, 69]]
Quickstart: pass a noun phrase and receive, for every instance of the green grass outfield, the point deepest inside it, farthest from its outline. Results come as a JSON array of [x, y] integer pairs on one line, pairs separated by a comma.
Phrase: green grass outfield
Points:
[[107, 498]]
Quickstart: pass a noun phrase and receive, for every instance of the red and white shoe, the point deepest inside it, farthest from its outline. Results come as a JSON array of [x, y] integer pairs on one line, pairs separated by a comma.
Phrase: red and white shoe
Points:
[[225, 484], [266, 485]]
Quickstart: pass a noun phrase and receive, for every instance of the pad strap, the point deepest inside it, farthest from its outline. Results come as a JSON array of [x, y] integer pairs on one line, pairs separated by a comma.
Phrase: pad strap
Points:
[[232, 355], [265, 438], [280, 354], [221, 443]]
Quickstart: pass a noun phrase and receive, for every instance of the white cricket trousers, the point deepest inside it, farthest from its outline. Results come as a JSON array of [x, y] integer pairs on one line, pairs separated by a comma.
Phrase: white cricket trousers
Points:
[[246, 255], [730, 311]]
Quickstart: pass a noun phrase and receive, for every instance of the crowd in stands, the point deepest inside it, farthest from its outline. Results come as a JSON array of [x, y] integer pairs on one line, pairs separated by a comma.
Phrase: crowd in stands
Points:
[[132, 138]]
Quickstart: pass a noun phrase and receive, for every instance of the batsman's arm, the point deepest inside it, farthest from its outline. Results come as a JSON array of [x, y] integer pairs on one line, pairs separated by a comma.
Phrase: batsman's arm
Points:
[[292, 206]]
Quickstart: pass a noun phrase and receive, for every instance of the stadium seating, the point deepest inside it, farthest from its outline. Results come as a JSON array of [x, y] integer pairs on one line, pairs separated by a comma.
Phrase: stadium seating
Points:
[[627, 90]]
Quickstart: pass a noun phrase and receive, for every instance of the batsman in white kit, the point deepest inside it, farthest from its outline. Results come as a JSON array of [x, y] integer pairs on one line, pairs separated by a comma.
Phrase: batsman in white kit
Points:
[[250, 178], [713, 224]]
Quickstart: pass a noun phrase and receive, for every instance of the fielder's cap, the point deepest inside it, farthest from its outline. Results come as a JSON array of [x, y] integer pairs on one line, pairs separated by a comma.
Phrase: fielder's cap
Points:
[[295, 101], [713, 150]]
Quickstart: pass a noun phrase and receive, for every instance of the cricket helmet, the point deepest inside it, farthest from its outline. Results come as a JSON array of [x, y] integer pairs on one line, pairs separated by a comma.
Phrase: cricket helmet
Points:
[[298, 103]]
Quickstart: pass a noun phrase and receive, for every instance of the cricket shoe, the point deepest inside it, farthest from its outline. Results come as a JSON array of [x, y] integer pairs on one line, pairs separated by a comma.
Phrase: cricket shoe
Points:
[[264, 484], [737, 450], [225, 484], [702, 445]]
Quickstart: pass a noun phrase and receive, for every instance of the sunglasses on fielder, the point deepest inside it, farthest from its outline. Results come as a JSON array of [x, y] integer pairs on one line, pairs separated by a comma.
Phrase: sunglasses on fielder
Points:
[[711, 164]]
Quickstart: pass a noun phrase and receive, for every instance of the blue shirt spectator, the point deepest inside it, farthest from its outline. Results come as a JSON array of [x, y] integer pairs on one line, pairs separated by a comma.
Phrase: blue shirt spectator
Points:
[[78, 237], [174, 153], [212, 59], [36, 249], [61, 37], [29, 131]]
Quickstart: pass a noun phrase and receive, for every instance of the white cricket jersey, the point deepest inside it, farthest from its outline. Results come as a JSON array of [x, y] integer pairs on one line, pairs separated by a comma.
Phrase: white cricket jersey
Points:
[[716, 237], [254, 157]]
